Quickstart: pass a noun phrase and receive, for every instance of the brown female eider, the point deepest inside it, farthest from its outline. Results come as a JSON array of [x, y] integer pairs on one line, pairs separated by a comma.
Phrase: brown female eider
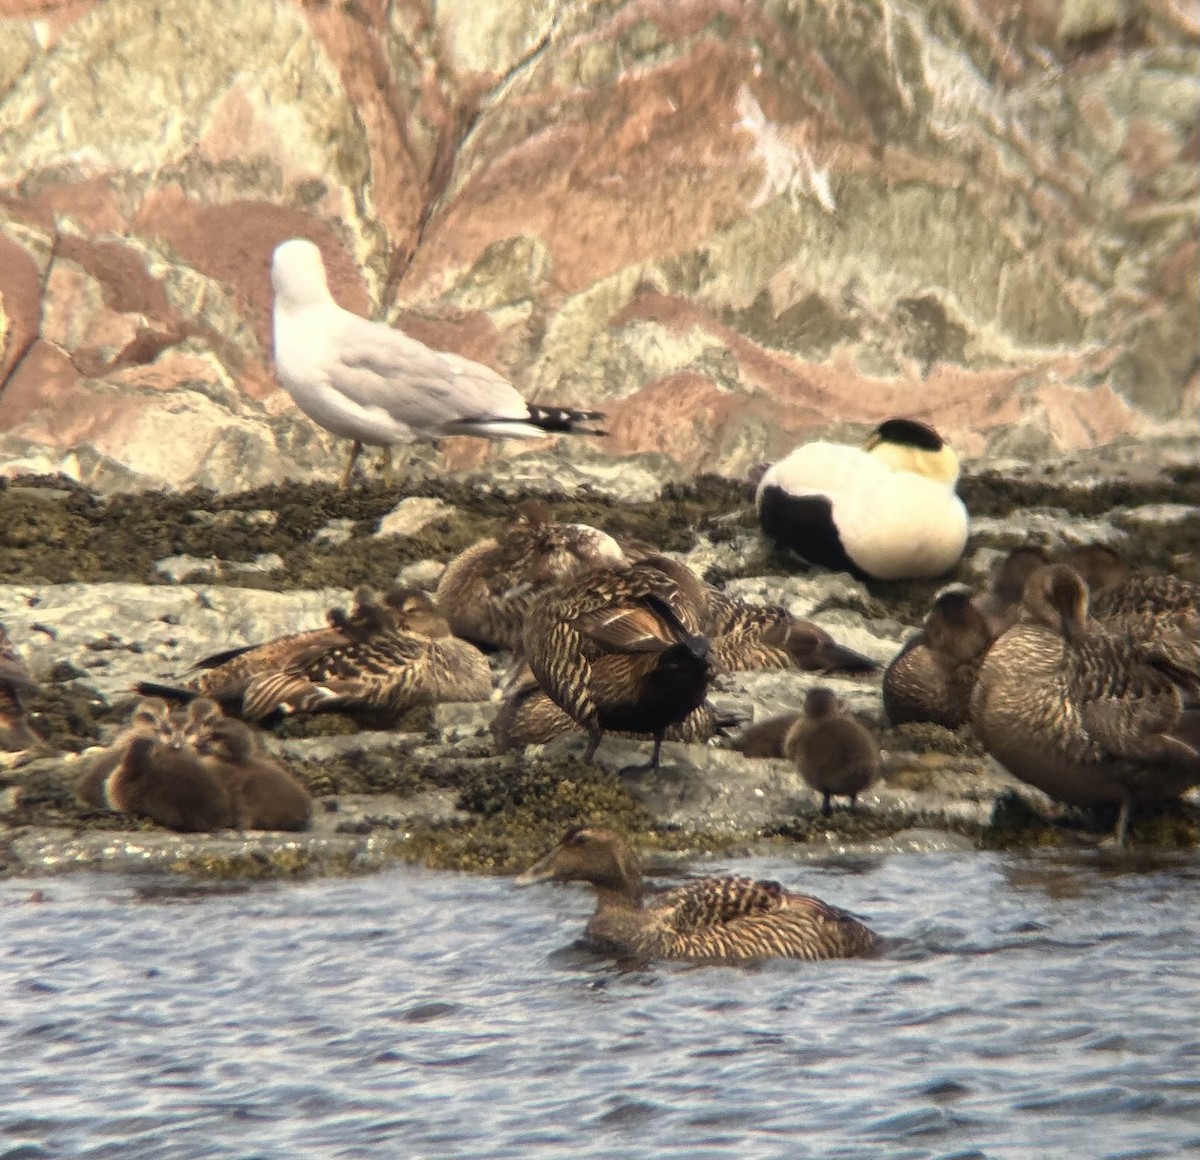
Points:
[[488, 589], [621, 649], [710, 920], [1085, 716]]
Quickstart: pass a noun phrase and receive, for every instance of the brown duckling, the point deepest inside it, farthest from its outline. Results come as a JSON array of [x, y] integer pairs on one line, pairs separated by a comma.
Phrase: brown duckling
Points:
[[766, 738], [16, 681], [1100, 566], [377, 661], [709, 920], [527, 716], [487, 590], [751, 636], [152, 771], [835, 753], [932, 676], [1081, 714], [620, 649], [263, 795], [1000, 601]]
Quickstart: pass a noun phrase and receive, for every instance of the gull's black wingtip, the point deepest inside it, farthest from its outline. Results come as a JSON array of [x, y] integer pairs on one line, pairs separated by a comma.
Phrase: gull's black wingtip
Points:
[[565, 420]]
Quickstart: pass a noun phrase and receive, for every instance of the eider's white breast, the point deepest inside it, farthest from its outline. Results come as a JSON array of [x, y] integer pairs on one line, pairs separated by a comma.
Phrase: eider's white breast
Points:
[[845, 508]]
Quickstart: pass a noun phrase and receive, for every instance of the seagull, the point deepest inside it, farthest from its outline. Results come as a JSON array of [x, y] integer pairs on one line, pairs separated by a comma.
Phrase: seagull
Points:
[[373, 384]]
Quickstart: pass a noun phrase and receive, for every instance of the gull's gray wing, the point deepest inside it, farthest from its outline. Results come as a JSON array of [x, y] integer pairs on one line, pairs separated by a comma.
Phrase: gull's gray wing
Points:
[[378, 366]]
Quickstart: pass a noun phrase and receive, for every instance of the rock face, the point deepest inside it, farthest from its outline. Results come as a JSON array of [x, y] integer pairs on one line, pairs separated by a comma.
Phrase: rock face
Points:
[[731, 225]]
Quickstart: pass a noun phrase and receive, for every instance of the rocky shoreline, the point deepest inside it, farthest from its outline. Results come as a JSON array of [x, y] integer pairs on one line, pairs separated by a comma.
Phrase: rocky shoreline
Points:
[[98, 592]]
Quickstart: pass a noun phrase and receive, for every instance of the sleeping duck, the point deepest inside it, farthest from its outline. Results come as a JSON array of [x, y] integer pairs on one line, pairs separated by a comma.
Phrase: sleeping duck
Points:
[[883, 511]]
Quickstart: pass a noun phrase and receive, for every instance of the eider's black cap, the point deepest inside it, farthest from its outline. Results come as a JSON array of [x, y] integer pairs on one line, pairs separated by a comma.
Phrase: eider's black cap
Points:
[[907, 433]]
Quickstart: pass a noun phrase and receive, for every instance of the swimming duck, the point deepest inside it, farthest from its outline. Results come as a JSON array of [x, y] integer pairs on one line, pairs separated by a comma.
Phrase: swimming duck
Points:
[[263, 795], [373, 384], [527, 716], [151, 770], [1087, 717], [621, 649], [932, 676], [834, 753], [709, 920], [753, 636], [487, 590], [886, 510], [16, 681], [378, 660]]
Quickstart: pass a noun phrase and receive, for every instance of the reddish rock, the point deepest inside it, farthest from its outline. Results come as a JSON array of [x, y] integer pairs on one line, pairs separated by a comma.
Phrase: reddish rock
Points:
[[732, 226]]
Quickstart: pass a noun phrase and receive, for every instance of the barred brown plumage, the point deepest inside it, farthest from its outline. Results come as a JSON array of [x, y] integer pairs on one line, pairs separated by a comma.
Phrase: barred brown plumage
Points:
[[379, 660], [756, 636], [1084, 715], [488, 589], [1161, 613], [709, 920], [621, 649], [527, 716]]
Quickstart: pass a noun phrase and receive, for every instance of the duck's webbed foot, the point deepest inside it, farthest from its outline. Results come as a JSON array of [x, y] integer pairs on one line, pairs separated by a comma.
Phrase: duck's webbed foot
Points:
[[649, 765]]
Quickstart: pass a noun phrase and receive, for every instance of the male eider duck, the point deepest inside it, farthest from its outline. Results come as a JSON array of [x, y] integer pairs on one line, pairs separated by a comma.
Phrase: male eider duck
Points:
[[932, 676], [835, 753], [621, 649], [884, 511], [487, 589], [708, 920], [152, 771], [263, 795], [1087, 717]]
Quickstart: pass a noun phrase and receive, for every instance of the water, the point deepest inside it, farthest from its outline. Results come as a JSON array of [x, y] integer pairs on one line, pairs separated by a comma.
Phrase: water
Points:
[[1030, 1007]]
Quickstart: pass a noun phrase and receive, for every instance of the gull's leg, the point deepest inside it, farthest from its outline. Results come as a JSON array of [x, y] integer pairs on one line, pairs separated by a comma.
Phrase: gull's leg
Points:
[[355, 452]]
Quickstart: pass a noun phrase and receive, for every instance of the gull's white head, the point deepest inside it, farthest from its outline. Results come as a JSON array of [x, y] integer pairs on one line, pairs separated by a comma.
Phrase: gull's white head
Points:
[[298, 275]]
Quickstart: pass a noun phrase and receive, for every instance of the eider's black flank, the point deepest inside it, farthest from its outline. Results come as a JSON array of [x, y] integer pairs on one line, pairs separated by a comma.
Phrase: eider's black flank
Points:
[[804, 523]]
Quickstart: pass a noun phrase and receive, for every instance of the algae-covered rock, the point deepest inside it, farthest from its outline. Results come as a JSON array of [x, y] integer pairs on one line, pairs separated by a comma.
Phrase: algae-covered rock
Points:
[[431, 790]]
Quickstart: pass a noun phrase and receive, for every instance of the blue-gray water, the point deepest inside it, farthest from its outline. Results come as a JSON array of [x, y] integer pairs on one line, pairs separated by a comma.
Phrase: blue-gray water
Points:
[[1033, 1006]]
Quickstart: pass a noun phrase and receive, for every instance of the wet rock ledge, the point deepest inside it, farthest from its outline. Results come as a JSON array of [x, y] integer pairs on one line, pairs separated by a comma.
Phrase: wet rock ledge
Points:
[[99, 592]]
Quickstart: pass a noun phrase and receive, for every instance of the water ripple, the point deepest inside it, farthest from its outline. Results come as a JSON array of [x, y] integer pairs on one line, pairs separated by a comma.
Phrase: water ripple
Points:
[[1027, 1006]]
